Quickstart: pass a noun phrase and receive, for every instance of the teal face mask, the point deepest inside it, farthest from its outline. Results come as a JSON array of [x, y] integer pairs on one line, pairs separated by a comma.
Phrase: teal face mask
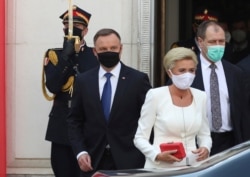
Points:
[[215, 52]]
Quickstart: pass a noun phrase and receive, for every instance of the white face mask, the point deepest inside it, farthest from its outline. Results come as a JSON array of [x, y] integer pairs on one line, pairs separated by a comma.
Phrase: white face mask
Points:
[[183, 81]]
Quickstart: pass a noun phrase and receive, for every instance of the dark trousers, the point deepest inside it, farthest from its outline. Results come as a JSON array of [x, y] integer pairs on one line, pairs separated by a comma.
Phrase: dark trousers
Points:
[[63, 161], [106, 163], [221, 141]]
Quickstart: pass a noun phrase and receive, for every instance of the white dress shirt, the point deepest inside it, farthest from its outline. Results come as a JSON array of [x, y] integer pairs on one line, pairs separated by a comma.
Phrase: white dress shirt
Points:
[[113, 79], [224, 98]]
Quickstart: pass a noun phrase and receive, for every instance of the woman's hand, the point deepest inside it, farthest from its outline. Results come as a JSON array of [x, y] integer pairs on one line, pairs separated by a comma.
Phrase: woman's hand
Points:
[[202, 153], [167, 156]]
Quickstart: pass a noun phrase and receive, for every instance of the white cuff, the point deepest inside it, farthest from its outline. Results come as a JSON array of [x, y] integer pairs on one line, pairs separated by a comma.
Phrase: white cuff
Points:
[[81, 153]]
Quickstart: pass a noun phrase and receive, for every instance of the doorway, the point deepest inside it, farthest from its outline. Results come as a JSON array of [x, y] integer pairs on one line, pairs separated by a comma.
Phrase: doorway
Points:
[[226, 11]]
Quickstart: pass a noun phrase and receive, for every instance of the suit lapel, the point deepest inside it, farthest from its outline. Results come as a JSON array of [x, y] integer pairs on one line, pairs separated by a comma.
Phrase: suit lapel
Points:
[[198, 80], [229, 78], [93, 85], [120, 89]]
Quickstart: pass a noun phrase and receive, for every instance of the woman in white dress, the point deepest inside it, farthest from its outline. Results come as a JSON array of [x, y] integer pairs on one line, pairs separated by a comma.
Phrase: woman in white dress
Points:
[[176, 113]]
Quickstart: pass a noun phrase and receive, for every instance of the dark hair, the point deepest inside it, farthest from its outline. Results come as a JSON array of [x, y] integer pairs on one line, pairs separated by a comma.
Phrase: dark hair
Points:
[[202, 28], [105, 32]]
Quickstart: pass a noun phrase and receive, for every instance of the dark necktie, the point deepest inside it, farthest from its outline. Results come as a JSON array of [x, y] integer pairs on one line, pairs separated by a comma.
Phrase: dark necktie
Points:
[[106, 96], [215, 99]]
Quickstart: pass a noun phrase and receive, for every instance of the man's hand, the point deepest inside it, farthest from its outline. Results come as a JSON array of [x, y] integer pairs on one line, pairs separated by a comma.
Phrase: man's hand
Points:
[[84, 162], [68, 48]]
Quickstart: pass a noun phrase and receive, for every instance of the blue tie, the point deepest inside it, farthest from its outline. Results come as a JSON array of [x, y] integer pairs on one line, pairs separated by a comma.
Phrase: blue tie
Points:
[[106, 96]]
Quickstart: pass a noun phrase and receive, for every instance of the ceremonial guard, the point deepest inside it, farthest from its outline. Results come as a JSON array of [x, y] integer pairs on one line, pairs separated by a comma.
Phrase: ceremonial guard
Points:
[[61, 66]]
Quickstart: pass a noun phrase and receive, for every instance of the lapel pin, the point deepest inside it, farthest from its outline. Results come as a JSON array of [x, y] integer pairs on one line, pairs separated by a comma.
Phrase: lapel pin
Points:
[[123, 78]]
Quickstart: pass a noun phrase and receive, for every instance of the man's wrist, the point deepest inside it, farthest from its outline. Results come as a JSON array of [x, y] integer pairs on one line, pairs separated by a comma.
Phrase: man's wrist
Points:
[[81, 153]]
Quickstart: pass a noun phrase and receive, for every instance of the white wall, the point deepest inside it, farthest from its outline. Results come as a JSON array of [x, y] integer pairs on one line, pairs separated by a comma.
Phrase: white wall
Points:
[[32, 27]]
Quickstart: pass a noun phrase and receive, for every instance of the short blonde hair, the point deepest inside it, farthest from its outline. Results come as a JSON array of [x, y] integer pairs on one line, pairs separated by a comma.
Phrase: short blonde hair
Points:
[[178, 53]]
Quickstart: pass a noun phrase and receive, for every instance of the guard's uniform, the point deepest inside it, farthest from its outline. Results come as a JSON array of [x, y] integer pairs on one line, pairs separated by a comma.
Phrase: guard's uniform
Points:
[[58, 79], [60, 75]]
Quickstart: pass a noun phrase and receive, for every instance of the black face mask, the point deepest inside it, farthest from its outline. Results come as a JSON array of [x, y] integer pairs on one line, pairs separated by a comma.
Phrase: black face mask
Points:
[[108, 59], [76, 32]]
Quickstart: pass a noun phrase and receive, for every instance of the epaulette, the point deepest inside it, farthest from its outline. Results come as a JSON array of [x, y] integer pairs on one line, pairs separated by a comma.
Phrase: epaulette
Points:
[[52, 55], [68, 86]]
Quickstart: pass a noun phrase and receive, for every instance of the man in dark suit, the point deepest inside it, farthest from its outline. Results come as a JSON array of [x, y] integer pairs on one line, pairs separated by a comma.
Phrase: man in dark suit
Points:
[[232, 102], [201, 14], [99, 141], [244, 64], [61, 65]]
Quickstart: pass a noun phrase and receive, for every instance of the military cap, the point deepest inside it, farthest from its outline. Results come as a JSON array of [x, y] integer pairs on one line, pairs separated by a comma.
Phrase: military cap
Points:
[[79, 16], [203, 14]]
